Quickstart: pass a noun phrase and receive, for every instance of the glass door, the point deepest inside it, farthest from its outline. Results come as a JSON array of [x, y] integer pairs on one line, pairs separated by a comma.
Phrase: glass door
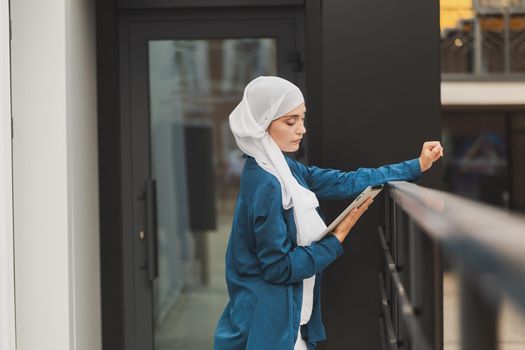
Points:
[[185, 78], [194, 84]]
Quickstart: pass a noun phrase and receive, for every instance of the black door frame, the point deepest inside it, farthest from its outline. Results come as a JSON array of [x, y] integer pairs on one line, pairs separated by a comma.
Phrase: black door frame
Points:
[[135, 29]]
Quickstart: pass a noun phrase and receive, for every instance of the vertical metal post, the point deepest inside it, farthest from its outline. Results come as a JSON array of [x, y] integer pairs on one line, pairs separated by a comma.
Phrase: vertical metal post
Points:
[[478, 317], [400, 262], [437, 266], [387, 218], [393, 250], [415, 267], [400, 240], [478, 67], [389, 228], [432, 292]]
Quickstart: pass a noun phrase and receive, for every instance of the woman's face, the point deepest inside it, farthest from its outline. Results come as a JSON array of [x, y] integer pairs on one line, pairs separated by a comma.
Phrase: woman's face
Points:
[[288, 130]]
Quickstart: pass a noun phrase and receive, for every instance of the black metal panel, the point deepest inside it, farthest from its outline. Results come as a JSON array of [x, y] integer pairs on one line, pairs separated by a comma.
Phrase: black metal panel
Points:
[[135, 146], [314, 89], [203, 3], [381, 100], [109, 176]]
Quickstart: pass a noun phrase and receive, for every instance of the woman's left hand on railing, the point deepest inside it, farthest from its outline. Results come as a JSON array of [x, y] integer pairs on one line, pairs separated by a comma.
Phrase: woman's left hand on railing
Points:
[[431, 151]]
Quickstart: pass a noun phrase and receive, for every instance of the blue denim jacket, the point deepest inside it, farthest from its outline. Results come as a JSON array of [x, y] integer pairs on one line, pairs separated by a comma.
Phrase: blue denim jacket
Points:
[[264, 265]]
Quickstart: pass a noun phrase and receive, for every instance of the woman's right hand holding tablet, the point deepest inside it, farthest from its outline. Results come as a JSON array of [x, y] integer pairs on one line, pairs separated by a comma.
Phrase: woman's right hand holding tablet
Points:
[[344, 227]]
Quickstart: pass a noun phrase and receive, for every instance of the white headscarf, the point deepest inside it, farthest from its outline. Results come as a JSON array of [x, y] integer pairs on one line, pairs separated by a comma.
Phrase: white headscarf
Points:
[[266, 99]]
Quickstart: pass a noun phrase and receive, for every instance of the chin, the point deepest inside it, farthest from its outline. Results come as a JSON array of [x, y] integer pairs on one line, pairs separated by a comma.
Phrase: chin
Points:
[[292, 149]]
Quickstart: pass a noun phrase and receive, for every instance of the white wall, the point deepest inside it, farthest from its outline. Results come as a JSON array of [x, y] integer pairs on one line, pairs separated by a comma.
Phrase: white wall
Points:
[[83, 173], [55, 175], [482, 93], [7, 296]]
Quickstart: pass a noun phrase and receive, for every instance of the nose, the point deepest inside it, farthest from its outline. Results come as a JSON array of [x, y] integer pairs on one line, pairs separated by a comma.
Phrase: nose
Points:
[[302, 129]]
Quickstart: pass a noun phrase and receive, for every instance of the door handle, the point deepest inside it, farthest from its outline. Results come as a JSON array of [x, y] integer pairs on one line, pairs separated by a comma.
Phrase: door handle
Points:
[[151, 227], [149, 197]]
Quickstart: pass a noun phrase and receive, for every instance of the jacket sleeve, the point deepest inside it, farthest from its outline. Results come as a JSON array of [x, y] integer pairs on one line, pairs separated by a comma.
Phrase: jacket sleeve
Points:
[[281, 261], [336, 184]]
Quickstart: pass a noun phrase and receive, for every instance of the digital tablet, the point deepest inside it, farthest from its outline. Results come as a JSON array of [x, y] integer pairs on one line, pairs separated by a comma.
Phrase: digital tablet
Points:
[[370, 191]]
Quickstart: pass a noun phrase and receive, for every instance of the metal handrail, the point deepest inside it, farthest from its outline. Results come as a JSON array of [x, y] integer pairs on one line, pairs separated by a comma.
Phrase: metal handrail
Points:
[[485, 238], [485, 244]]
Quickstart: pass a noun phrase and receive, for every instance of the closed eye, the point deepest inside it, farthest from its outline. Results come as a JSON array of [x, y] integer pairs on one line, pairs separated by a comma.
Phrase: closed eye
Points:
[[292, 120]]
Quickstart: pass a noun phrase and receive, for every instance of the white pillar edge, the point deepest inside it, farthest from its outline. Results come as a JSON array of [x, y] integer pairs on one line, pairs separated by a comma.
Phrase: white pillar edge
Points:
[[482, 93], [7, 285]]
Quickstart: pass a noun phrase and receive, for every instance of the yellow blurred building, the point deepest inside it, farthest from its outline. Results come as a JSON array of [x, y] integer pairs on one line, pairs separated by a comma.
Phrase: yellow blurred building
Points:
[[453, 11]]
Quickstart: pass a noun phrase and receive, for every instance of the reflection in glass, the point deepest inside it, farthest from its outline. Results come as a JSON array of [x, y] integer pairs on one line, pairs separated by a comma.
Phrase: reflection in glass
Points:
[[476, 165], [194, 85]]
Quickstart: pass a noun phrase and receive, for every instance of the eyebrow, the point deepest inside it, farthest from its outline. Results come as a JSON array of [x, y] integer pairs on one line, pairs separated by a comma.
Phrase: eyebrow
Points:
[[293, 116]]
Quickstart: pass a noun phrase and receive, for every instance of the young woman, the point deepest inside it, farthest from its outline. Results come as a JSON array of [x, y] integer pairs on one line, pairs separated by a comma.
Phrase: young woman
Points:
[[273, 263]]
